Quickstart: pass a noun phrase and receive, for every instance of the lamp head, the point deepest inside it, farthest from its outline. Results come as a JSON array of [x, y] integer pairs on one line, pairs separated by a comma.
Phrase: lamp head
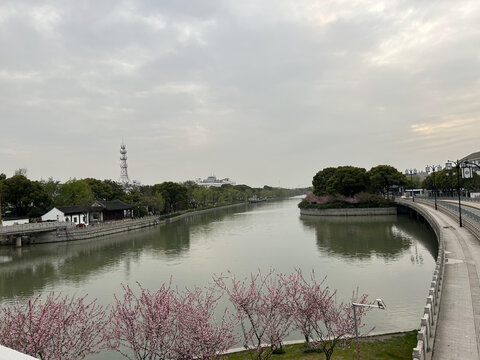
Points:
[[380, 304]]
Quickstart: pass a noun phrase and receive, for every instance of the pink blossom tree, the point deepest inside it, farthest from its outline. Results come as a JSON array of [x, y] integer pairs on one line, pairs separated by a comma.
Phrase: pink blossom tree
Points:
[[309, 299], [262, 309], [199, 334], [169, 324], [57, 328], [143, 326], [335, 322]]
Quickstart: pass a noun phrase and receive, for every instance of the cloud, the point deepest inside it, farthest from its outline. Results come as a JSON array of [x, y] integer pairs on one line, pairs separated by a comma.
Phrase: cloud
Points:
[[237, 85]]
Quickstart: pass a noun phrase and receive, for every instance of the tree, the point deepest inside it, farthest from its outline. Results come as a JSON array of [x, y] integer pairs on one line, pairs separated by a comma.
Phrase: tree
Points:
[[52, 187], [321, 179], [169, 325], [309, 301], [105, 190], [262, 309], [198, 334], [25, 197], [144, 324], [175, 196], [21, 171], [337, 323], [75, 192], [58, 328], [347, 181], [383, 177]]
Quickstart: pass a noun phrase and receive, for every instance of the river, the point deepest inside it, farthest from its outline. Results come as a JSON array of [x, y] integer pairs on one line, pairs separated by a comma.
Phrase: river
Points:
[[388, 257]]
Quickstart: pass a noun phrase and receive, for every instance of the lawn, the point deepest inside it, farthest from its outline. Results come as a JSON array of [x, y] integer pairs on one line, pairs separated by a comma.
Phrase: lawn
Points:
[[383, 347]]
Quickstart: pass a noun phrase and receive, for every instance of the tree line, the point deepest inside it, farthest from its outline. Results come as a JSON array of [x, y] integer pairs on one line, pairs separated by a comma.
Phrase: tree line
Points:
[[447, 182], [20, 196], [185, 325]]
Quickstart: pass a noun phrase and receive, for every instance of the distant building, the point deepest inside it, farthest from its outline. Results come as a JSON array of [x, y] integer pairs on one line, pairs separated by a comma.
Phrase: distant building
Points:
[[475, 159], [213, 181], [96, 212]]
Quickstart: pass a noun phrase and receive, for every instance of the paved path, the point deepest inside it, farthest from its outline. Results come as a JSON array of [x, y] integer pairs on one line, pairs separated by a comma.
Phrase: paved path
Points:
[[458, 329]]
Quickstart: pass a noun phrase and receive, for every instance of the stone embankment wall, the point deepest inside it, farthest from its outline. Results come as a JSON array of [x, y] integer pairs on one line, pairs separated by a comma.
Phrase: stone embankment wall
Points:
[[102, 229], [107, 228], [428, 322], [350, 212]]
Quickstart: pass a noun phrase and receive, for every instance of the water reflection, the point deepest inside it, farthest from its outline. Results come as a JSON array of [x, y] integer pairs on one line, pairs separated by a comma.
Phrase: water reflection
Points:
[[359, 238], [28, 270]]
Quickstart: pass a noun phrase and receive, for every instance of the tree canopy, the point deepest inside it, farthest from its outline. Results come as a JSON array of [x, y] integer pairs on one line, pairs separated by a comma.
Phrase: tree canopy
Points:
[[383, 177]]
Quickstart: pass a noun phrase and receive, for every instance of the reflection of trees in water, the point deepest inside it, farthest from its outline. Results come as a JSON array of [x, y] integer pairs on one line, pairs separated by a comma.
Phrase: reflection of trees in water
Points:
[[25, 271], [361, 237]]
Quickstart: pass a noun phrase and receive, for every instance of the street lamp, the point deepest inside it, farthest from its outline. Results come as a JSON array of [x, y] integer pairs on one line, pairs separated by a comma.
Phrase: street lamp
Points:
[[433, 168], [466, 173], [379, 305], [448, 166], [411, 172]]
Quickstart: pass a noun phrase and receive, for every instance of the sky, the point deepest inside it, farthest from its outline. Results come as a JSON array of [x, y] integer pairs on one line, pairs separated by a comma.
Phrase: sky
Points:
[[263, 92]]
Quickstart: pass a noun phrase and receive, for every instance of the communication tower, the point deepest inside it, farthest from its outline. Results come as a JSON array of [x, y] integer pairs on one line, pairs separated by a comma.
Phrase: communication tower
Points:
[[124, 180]]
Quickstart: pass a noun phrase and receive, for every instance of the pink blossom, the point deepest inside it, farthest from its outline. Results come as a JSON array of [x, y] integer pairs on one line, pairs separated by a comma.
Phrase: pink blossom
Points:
[[58, 328]]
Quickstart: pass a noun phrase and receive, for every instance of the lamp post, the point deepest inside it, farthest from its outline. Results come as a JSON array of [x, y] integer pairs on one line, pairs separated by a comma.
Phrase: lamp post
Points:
[[448, 166], [433, 168], [411, 172], [379, 305], [465, 165]]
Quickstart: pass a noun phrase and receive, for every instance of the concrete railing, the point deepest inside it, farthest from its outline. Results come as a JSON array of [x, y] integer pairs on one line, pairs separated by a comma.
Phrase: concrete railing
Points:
[[9, 354], [470, 220], [428, 322], [34, 227]]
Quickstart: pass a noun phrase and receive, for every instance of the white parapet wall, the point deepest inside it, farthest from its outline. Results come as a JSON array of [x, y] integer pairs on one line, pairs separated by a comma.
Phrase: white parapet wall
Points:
[[9, 354]]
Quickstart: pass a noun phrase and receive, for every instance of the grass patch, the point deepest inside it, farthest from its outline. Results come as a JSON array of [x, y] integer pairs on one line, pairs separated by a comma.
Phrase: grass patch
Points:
[[383, 347]]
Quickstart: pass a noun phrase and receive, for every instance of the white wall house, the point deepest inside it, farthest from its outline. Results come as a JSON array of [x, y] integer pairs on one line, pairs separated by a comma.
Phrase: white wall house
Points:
[[96, 212], [54, 215]]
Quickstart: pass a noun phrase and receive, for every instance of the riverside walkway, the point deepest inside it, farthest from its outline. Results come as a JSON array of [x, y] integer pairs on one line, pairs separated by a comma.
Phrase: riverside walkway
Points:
[[454, 330]]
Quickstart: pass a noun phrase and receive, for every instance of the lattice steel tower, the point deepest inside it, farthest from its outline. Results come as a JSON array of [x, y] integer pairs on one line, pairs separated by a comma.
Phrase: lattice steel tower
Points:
[[124, 180]]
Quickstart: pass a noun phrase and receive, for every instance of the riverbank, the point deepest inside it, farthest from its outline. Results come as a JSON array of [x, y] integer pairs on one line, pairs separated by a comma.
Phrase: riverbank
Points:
[[65, 234], [387, 346]]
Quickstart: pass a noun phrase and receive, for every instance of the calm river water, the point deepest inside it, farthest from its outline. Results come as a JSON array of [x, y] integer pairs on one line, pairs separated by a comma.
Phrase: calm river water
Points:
[[388, 257]]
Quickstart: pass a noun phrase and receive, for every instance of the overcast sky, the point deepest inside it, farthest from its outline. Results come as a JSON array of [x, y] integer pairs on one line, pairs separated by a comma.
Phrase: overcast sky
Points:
[[263, 92]]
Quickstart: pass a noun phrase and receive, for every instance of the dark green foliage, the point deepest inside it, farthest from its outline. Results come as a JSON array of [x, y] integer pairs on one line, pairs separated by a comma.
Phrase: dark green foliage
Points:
[[447, 181], [348, 181], [175, 196], [75, 192], [321, 179], [383, 177], [105, 190], [23, 196]]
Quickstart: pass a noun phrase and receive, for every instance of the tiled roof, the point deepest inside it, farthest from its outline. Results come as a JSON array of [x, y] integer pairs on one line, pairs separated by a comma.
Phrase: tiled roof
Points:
[[113, 205], [116, 205], [72, 209]]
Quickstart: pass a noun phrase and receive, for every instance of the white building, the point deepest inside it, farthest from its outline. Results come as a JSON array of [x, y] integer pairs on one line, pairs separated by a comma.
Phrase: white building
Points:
[[54, 215], [473, 158], [213, 181], [98, 211]]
